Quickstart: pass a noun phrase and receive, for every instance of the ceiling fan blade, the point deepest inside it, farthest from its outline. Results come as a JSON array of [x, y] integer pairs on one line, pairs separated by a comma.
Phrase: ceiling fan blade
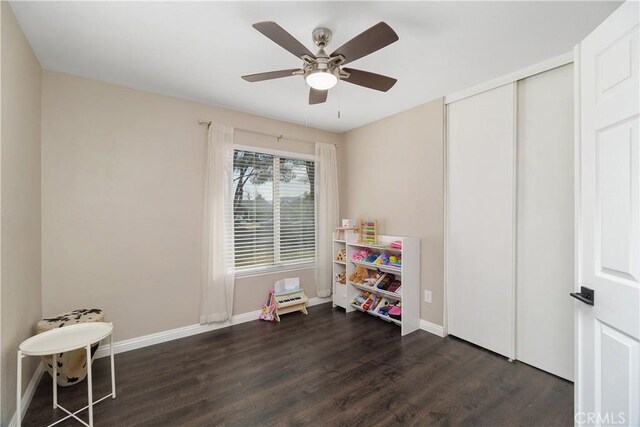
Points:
[[269, 75], [369, 41], [281, 37], [370, 80], [317, 96]]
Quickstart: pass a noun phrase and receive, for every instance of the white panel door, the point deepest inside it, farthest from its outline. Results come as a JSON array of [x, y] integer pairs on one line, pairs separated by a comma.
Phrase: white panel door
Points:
[[545, 222], [480, 213], [608, 333]]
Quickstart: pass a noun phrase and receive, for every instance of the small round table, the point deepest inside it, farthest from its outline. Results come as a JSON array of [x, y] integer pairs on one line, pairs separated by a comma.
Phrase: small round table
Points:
[[61, 340], [71, 368]]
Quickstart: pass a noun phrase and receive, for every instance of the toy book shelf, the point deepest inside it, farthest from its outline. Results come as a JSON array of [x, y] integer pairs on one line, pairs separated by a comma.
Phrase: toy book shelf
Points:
[[408, 273]]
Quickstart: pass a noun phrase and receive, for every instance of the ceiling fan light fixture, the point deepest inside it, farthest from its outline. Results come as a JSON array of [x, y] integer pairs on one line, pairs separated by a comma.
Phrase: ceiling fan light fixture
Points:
[[321, 79]]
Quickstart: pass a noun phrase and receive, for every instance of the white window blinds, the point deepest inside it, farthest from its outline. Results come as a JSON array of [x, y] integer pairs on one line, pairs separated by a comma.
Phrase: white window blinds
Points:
[[274, 216]]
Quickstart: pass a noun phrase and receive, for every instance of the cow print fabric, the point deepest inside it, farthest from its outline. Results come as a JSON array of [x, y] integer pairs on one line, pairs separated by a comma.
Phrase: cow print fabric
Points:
[[72, 365]]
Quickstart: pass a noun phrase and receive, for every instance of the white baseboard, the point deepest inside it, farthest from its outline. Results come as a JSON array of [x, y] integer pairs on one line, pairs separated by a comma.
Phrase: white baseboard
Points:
[[28, 393], [185, 331], [145, 341], [432, 328]]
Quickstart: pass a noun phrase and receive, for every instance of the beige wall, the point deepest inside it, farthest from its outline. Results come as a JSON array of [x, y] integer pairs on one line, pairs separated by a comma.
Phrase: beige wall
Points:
[[122, 183], [394, 172], [21, 288]]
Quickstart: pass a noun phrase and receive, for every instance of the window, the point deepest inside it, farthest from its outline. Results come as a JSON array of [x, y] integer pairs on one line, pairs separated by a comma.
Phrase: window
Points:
[[273, 211]]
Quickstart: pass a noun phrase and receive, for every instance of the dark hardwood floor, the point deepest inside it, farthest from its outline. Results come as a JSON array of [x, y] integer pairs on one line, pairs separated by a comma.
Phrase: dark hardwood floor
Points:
[[321, 369]]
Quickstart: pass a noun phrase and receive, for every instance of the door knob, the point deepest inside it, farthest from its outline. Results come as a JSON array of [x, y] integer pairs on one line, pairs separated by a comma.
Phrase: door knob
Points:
[[585, 295]]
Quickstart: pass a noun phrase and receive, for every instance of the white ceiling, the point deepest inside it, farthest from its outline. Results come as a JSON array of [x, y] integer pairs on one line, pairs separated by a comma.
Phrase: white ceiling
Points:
[[199, 50]]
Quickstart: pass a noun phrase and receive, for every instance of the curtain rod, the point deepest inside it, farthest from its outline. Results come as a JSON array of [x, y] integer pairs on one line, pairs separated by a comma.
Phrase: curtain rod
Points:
[[278, 138]]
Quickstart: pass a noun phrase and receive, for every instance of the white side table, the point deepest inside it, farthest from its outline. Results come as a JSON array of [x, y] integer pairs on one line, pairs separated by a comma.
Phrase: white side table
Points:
[[61, 340]]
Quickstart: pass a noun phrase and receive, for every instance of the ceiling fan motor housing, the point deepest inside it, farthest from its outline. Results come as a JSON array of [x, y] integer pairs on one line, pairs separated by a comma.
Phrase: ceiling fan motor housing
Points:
[[323, 62], [321, 37]]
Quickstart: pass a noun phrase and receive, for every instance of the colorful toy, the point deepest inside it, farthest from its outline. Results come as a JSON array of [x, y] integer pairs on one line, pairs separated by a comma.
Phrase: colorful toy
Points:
[[341, 278], [368, 232], [341, 256], [383, 259], [368, 303], [396, 261], [395, 312], [359, 275], [384, 306], [371, 303], [384, 283], [289, 302], [371, 258], [359, 300], [362, 298], [361, 255], [374, 279], [394, 286], [268, 309]]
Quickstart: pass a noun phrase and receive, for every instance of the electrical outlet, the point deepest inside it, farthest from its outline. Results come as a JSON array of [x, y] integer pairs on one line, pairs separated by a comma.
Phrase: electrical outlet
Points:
[[427, 296]]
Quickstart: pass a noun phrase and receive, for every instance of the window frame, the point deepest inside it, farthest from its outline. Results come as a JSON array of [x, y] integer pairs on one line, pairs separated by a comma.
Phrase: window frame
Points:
[[271, 269]]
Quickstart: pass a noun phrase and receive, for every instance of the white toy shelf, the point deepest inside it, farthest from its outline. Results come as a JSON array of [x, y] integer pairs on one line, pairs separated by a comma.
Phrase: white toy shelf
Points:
[[408, 273]]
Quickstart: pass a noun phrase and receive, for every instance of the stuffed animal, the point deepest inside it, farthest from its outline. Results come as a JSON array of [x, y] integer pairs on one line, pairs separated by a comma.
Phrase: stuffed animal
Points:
[[361, 254], [341, 278], [341, 256], [359, 275], [373, 279]]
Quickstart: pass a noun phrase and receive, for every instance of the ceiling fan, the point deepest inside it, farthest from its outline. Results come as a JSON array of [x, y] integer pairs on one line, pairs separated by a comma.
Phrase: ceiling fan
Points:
[[322, 71]]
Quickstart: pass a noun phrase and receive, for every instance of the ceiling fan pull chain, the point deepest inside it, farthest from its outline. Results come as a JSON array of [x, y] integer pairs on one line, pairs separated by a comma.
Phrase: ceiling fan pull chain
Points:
[[339, 98]]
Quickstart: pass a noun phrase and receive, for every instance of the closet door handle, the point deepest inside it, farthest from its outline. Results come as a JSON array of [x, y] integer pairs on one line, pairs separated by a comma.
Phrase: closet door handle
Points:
[[585, 295]]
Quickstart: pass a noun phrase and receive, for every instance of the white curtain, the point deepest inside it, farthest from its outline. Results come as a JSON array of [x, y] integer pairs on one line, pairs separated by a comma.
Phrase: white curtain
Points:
[[217, 230], [326, 196]]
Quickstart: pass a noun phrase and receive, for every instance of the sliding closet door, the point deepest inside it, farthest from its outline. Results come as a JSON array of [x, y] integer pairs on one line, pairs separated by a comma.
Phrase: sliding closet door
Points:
[[545, 222], [480, 219]]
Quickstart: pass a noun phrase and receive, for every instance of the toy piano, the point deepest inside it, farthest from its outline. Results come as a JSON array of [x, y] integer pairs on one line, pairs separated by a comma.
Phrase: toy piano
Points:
[[289, 297]]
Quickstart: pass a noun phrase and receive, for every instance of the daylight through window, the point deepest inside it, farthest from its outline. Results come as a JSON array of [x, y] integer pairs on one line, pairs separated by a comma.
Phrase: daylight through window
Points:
[[274, 210]]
